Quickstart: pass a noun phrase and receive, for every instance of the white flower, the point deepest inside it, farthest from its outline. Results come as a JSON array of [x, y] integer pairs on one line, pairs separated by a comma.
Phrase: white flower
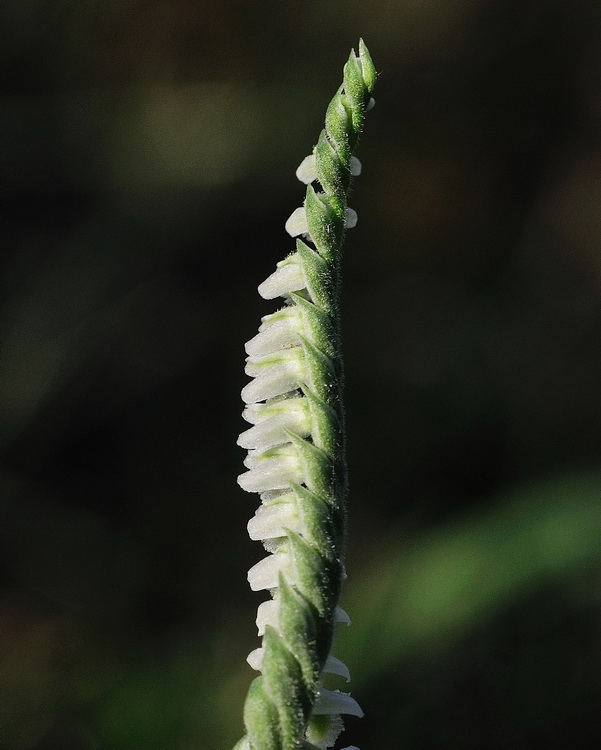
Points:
[[275, 469], [350, 218], [335, 702], [267, 614], [335, 666], [278, 331], [274, 431], [297, 222], [274, 375], [288, 277], [297, 225], [355, 166], [255, 659], [265, 574], [271, 522], [307, 169]]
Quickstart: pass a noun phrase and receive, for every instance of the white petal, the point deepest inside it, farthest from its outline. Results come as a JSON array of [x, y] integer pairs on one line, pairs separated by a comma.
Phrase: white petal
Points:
[[276, 336], [370, 104], [335, 702], [264, 575], [256, 458], [284, 313], [274, 381], [306, 171], [277, 497], [297, 222], [257, 364], [255, 659], [335, 666], [288, 358], [350, 218], [271, 432], [257, 413], [355, 166], [267, 614], [288, 277], [340, 616], [275, 473], [270, 521]]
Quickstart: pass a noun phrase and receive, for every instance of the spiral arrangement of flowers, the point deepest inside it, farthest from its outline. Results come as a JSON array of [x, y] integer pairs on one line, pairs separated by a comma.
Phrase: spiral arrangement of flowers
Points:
[[296, 449]]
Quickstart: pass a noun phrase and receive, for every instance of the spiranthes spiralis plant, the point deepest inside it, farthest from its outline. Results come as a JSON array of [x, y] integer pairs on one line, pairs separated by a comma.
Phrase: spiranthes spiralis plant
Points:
[[296, 449]]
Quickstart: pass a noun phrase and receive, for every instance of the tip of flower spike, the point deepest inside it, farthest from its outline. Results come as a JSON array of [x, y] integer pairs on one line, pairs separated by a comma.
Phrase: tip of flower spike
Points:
[[367, 66]]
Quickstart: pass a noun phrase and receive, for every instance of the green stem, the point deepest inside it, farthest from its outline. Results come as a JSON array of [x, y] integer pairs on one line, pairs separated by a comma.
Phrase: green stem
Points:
[[296, 456]]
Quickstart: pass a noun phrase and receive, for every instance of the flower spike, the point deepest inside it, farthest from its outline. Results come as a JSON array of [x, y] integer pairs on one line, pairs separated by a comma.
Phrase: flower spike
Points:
[[296, 449]]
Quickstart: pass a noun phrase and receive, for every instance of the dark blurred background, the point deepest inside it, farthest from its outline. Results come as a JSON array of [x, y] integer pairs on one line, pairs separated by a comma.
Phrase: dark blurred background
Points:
[[147, 157]]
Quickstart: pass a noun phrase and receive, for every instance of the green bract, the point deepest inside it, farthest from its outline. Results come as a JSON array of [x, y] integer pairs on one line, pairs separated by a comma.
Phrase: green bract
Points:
[[296, 449]]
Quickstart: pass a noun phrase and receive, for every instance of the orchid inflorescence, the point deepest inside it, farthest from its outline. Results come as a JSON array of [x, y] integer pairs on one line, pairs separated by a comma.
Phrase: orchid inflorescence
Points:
[[296, 450]]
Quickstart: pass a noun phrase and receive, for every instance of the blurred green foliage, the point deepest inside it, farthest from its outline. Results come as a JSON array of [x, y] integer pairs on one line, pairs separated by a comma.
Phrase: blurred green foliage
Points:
[[147, 156]]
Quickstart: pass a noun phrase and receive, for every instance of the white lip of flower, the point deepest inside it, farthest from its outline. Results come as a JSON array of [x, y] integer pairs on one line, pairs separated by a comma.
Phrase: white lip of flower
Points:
[[274, 377], [273, 431], [271, 522], [288, 277], [281, 330], [297, 222], [265, 574], [350, 218], [341, 616], [335, 702], [275, 469]]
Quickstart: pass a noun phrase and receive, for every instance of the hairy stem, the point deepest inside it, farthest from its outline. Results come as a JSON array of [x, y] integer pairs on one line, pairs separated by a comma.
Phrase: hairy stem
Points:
[[296, 448]]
